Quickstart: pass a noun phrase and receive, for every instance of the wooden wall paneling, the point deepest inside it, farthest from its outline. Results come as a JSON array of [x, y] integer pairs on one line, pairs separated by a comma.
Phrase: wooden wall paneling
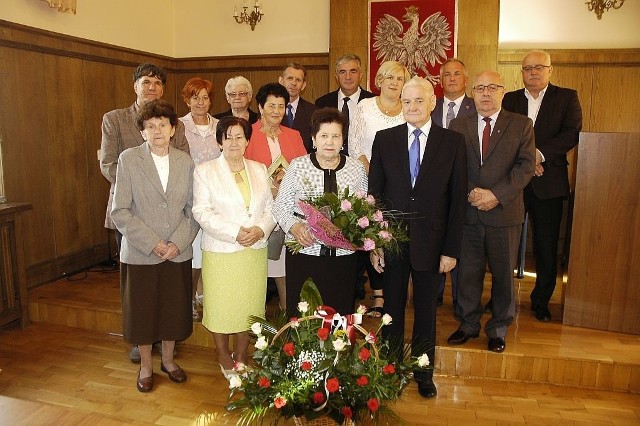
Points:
[[99, 97], [349, 33], [27, 164], [67, 154], [603, 289], [478, 35], [616, 102]]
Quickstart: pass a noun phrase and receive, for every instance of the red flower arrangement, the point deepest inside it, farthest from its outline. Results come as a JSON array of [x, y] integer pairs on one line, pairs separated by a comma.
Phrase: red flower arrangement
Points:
[[344, 372]]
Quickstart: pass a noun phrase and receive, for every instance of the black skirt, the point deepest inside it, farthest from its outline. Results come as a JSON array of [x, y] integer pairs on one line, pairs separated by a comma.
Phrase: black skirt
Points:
[[335, 277], [156, 302]]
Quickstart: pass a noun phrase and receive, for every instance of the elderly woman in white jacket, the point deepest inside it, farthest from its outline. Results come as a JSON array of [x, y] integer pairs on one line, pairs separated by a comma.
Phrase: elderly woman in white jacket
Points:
[[232, 202]]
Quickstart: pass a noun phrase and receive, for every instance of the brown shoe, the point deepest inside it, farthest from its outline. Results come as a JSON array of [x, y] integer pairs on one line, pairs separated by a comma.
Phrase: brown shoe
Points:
[[178, 376], [146, 384]]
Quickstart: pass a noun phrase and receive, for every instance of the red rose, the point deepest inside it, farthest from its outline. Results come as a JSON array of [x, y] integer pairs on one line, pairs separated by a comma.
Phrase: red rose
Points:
[[306, 365], [333, 385], [323, 334], [373, 404], [364, 354], [289, 348], [362, 381], [388, 369], [264, 382], [346, 412], [318, 398]]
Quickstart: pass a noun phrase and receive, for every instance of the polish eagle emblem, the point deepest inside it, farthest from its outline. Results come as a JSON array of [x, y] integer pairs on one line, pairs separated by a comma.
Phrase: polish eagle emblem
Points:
[[420, 44]]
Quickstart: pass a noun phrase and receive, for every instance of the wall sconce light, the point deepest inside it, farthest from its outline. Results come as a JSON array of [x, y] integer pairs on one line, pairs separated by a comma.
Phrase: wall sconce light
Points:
[[601, 6], [251, 18]]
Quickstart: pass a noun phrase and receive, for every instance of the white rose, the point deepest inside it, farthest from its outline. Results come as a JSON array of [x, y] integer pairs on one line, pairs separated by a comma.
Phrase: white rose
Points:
[[386, 319], [256, 328], [261, 344], [339, 345], [423, 360], [235, 381], [303, 307]]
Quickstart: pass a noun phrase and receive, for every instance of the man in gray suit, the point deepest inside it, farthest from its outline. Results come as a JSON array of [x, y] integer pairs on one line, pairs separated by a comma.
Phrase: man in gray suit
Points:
[[119, 132], [453, 79], [501, 160]]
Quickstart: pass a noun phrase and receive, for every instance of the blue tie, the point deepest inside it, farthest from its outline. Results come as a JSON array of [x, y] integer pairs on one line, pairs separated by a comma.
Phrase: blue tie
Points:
[[290, 114], [414, 156]]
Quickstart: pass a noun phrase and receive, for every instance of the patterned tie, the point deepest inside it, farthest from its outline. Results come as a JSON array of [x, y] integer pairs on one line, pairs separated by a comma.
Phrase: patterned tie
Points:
[[414, 156], [290, 115], [450, 114], [486, 134], [345, 132]]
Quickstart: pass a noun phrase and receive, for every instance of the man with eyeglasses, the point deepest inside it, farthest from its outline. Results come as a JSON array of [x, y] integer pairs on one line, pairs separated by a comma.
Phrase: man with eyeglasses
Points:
[[119, 132], [455, 103], [298, 113], [557, 118], [500, 163]]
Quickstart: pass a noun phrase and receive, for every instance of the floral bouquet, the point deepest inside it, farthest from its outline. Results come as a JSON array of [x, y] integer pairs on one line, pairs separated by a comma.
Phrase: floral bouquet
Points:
[[321, 364], [351, 222]]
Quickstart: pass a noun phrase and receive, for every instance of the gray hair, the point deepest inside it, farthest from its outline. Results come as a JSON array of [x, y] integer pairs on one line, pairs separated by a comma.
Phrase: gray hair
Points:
[[348, 58], [238, 81], [464, 67]]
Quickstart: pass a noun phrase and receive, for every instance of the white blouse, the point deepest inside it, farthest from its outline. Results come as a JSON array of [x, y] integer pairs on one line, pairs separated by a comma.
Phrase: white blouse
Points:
[[368, 120]]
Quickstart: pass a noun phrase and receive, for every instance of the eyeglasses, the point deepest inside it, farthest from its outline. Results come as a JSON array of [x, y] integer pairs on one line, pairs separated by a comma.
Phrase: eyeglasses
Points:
[[491, 87], [237, 94], [530, 68]]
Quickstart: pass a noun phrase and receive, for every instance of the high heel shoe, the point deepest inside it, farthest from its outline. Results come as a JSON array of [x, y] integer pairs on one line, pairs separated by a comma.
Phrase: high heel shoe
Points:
[[227, 373]]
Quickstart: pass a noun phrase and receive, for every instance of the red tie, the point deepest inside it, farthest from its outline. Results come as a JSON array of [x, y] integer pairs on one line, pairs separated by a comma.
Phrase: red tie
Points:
[[486, 134]]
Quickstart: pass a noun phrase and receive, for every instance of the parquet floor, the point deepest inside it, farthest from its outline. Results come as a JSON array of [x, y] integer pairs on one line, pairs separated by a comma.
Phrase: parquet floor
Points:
[[52, 374]]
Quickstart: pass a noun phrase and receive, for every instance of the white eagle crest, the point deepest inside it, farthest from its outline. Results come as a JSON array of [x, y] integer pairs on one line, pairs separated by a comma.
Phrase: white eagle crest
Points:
[[420, 44]]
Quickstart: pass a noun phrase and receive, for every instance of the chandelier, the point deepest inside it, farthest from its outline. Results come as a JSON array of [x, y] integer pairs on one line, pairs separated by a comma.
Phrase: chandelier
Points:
[[600, 6], [251, 18]]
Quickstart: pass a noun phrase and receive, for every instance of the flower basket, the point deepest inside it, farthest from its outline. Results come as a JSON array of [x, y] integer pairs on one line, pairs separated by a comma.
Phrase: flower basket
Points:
[[321, 421], [322, 368]]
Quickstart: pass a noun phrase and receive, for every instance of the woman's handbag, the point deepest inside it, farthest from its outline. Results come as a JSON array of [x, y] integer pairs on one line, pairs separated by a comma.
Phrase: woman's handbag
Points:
[[274, 244]]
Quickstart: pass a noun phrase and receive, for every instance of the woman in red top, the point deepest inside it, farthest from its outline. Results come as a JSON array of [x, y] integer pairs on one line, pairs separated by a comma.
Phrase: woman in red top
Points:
[[269, 140]]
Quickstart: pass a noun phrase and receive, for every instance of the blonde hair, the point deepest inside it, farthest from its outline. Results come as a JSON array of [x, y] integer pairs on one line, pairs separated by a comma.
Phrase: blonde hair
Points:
[[389, 67]]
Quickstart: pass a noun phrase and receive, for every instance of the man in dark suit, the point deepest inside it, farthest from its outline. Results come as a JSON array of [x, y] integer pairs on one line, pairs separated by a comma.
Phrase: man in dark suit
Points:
[[298, 112], [453, 79], [500, 163], [557, 120], [119, 132], [419, 170], [348, 76]]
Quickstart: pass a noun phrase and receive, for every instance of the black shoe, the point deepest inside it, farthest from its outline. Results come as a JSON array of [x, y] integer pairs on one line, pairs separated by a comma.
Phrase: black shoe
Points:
[[489, 306], [440, 300], [496, 344], [427, 389], [542, 313], [459, 337]]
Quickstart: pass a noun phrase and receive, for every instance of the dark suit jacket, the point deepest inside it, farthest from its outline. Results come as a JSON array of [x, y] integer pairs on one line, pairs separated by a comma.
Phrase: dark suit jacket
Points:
[[302, 122], [467, 107], [557, 128], [507, 168], [436, 204], [331, 99], [253, 116], [119, 132]]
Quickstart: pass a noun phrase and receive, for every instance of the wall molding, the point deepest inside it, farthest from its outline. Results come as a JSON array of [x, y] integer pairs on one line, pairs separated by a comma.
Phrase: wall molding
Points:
[[577, 57]]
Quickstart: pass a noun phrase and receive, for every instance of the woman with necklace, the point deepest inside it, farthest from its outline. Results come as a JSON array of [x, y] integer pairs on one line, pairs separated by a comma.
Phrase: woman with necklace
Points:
[[269, 141], [374, 114], [152, 209], [334, 271], [200, 131], [232, 203]]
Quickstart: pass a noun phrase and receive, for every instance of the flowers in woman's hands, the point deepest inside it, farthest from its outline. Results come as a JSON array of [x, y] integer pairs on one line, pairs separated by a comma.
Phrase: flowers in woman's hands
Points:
[[371, 200], [363, 222], [378, 216], [368, 244], [303, 307], [261, 343], [345, 205], [423, 360], [256, 328]]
